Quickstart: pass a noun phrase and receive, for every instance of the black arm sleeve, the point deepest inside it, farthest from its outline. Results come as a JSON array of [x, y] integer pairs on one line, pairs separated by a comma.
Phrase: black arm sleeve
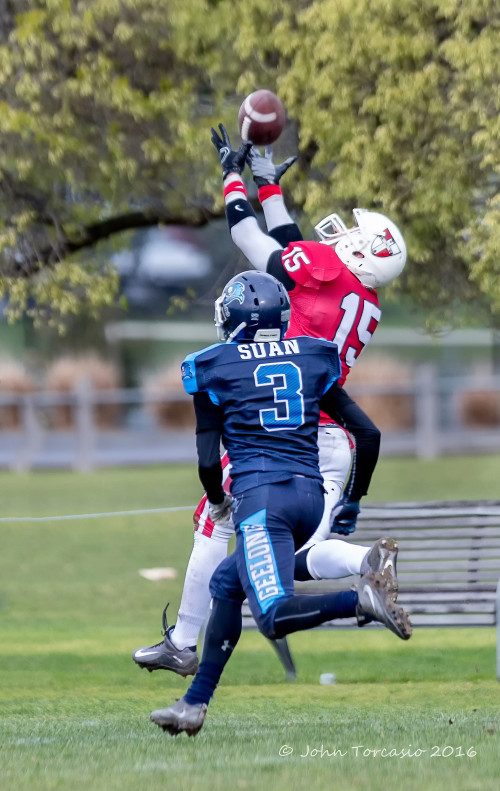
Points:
[[208, 436], [348, 414], [275, 267], [285, 234]]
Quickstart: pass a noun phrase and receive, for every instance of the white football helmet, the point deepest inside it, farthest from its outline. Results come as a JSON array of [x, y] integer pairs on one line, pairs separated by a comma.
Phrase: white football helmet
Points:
[[374, 250]]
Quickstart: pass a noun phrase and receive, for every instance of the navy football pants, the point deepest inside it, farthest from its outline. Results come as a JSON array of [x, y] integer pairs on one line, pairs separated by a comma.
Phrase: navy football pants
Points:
[[272, 522]]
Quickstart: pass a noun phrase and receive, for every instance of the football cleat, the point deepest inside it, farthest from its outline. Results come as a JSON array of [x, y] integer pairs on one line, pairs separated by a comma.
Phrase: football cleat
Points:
[[165, 656], [182, 716], [375, 604], [382, 557]]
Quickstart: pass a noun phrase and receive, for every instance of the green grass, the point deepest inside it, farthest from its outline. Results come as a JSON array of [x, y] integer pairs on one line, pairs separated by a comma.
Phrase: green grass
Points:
[[40, 493], [74, 709], [451, 478]]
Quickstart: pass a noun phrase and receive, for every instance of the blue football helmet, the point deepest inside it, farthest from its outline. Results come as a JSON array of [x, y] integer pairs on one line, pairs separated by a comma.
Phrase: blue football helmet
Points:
[[253, 306]]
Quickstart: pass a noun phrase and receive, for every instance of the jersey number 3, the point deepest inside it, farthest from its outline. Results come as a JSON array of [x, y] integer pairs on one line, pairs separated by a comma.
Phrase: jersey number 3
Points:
[[286, 380]]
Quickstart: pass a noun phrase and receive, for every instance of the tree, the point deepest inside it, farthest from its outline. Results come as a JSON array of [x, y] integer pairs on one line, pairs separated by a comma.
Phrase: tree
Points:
[[107, 105]]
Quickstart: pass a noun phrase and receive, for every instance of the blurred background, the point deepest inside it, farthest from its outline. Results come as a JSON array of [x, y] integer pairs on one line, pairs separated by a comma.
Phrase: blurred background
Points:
[[109, 391], [113, 241]]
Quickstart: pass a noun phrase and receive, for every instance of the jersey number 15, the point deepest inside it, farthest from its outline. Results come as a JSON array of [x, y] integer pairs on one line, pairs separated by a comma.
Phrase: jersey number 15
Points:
[[350, 306]]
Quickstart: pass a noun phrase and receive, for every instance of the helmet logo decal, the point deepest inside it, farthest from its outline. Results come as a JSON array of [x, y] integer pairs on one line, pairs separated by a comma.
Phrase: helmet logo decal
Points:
[[187, 371], [234, 291], [385, 245]]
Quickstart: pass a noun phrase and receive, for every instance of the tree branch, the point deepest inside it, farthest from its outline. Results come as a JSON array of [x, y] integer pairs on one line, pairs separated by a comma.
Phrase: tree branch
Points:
[[90, 235]]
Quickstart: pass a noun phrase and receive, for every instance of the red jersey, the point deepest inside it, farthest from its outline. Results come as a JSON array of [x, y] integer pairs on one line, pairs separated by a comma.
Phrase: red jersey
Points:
[[329, 302]]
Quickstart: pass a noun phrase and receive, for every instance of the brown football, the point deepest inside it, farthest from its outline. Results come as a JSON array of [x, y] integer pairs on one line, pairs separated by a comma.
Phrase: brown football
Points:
[[261, 117]]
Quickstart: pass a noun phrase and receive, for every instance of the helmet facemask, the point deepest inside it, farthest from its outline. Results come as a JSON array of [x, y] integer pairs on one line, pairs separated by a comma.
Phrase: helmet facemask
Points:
[[374, 250], [224, 333]]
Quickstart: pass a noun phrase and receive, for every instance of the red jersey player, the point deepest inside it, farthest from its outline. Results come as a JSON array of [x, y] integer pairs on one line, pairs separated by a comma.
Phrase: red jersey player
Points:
[[332, 285]]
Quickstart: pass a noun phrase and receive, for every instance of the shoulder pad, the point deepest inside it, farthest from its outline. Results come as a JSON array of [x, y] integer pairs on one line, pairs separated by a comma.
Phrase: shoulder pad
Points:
[[311, 263], [193, 367]]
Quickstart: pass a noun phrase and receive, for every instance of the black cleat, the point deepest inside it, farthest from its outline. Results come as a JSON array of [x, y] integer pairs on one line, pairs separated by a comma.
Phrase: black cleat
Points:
[[182, 716], [165, 656]]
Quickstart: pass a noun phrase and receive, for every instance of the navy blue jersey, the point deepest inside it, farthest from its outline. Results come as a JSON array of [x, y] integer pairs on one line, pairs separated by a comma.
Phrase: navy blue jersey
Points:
[[269, 395]]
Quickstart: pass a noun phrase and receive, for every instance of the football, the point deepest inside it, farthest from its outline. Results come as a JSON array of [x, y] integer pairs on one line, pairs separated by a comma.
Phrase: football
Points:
[[261, 117]]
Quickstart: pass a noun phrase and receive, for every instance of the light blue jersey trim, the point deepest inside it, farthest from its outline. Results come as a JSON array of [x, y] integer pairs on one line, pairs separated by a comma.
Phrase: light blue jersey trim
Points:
[[188, 370], [260, 561], [333, 346], [339, 366], [334, 379], [213, 397]]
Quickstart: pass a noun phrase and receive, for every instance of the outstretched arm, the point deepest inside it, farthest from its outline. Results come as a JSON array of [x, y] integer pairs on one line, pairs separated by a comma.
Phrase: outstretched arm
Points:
[[243, 226], [262, 250], [267, 176]]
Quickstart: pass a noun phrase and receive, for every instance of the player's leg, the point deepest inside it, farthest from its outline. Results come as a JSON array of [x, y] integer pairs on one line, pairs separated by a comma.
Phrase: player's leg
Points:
[[261, 569], [271, 521], [335, 459], [208, 552], [265, 543], [210, 548], [177, 651], [265, 580], [334, 559], [221, 636]]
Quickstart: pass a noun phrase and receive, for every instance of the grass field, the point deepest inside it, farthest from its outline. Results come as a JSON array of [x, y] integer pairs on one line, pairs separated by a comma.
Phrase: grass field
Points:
[[74, 709]]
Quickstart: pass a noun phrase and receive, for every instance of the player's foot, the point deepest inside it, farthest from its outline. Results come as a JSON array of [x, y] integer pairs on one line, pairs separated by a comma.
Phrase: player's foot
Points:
[[165, 655], [382, 557], [182, 716], [375, 604]]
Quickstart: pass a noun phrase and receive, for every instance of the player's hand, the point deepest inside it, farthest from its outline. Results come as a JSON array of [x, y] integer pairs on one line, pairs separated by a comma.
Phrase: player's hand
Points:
[[343, 517], [264, 170], [222, 513], [232, 160]]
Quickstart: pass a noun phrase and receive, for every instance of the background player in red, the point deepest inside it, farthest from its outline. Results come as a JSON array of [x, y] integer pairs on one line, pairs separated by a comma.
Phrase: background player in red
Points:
[[332, 290]]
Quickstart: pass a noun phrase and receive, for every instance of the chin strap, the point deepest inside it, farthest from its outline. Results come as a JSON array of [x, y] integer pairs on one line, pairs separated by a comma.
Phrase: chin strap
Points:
[[235, 332]]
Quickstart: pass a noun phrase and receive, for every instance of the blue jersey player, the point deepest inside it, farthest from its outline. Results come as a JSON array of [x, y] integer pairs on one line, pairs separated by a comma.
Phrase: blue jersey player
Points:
[[261, 395]]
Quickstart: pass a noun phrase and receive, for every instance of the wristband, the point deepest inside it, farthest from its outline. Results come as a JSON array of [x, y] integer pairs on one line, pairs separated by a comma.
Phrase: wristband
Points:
[[268, 190], [235, 185]]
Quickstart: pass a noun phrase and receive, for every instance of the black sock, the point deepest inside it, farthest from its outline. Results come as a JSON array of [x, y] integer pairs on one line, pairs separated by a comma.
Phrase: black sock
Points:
[[304, 612], [222, 634], [301, 572]]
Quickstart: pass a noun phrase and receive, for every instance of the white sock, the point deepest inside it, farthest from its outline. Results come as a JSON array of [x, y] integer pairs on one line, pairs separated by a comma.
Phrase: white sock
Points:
[[206, 555], [334, 559]]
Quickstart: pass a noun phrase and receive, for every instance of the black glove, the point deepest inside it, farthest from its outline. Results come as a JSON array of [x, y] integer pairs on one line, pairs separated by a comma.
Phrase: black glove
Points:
[[232, 161], [263, 168], [343, 517]]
